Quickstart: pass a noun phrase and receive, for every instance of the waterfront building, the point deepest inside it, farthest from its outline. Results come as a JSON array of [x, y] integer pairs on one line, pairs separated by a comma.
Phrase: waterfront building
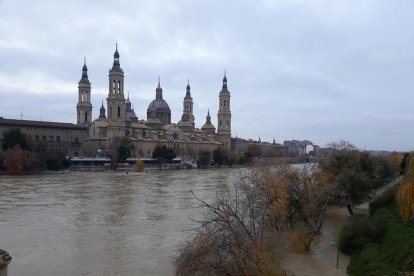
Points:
[[119, 120]]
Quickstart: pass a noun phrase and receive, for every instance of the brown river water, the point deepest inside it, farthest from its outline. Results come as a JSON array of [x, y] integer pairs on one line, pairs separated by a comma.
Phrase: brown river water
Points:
[[111, 223]]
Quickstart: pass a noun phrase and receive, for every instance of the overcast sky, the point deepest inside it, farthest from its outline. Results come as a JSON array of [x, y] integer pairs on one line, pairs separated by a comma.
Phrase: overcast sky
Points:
[[311, 69]]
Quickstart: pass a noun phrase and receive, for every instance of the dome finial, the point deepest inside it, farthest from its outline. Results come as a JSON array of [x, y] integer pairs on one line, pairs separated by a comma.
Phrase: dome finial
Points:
[[84, 60], [159, 84]]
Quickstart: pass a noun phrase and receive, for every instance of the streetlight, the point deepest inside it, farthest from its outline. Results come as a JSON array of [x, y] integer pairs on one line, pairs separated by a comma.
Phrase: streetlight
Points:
[[336, 245]]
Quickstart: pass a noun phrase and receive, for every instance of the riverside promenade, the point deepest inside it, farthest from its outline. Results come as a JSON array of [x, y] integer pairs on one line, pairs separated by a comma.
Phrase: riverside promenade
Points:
[[364, 207]]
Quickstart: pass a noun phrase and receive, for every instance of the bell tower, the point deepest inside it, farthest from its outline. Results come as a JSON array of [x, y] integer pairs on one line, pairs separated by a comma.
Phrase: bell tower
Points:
[[84, 106], [224, 117], [116, 99], [188, 104]]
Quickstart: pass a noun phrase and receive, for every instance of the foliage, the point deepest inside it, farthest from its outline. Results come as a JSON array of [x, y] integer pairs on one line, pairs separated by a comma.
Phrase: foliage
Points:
[[230, 233], [239, 229], [405, 195], [394, 255], [305, 197], [17, 161], [28, 155], [204, 158], [139, 166], [14, 137], [359, 232], [355, 173], [163, 153], [124, 149], [56, 161], [255, 150], [404, 162], [219, 156]]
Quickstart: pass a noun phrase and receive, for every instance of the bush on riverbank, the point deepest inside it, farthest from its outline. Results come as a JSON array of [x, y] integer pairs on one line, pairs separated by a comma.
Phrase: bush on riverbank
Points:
[[360, 232], [394, 254], [238, 233]]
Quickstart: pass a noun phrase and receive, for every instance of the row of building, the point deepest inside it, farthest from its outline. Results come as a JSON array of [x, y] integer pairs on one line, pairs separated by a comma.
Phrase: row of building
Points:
[[117, 119]]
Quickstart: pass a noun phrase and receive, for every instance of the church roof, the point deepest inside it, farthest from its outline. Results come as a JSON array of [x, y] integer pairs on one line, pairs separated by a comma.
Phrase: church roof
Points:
[[159, 105]]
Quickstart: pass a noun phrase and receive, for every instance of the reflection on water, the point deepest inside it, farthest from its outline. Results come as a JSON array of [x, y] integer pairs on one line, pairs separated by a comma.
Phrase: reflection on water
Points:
[[100, 223]]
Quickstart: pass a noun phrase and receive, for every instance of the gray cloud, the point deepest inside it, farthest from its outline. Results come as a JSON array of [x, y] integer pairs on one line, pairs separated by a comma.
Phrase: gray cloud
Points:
[[319, 70]]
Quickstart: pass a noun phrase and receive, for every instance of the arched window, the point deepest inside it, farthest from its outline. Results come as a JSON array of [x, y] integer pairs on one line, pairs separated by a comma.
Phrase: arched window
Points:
[[86, 116], [113, 87], [221, 124], [119, 86], [119, 112], [224, 102]]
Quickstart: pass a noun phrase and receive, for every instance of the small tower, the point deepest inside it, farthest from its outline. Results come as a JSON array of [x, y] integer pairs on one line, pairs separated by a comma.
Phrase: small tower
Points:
[[102, 112], [208, 126], [188, 104], [84, 106], [224, 117], [116, 100]]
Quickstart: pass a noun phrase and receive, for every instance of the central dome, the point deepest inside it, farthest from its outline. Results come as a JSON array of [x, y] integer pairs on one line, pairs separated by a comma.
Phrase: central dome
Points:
[[159, 105]]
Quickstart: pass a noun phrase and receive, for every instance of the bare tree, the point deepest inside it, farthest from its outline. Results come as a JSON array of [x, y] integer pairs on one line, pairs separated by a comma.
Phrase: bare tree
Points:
[[239, 230]]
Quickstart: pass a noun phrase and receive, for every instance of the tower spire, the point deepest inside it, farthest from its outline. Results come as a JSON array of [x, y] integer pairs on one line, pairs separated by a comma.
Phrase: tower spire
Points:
[[225, 80]]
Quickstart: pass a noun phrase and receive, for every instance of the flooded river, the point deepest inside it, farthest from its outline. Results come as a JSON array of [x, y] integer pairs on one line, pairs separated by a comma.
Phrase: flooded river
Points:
[[114, 223], [100, 223]]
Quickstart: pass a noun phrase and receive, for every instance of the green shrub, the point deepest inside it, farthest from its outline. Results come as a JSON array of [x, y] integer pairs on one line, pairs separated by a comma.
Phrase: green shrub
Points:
[[360, 232], [395, 254], [369, 262]]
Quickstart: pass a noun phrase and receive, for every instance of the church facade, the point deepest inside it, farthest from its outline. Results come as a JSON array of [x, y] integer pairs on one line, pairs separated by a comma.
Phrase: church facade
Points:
[[118, 120]]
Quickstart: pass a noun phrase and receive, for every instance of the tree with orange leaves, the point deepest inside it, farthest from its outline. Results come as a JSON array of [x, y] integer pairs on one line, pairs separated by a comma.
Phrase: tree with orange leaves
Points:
[[405, 195]]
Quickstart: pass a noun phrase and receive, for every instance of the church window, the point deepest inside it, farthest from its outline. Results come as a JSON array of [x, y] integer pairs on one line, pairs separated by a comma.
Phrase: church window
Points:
[[113, 86], [224, 102], [119, 112], [119, 87], [221, 124], [227, 125], [86, 116]]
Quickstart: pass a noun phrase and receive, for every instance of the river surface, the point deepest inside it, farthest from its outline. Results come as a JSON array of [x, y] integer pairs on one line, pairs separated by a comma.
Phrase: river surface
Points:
[[112, 223], [101, 223]]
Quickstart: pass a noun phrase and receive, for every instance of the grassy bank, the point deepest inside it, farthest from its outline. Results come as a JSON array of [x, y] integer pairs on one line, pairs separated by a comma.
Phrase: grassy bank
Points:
[[379, 245]]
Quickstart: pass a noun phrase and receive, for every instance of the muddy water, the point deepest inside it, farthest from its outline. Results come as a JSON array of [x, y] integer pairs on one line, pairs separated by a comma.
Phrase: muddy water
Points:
[[100, 223], [321, 260], [117, 223]]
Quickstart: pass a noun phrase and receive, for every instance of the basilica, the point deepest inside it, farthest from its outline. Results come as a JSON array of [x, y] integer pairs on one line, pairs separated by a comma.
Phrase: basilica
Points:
[[119, 119]]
